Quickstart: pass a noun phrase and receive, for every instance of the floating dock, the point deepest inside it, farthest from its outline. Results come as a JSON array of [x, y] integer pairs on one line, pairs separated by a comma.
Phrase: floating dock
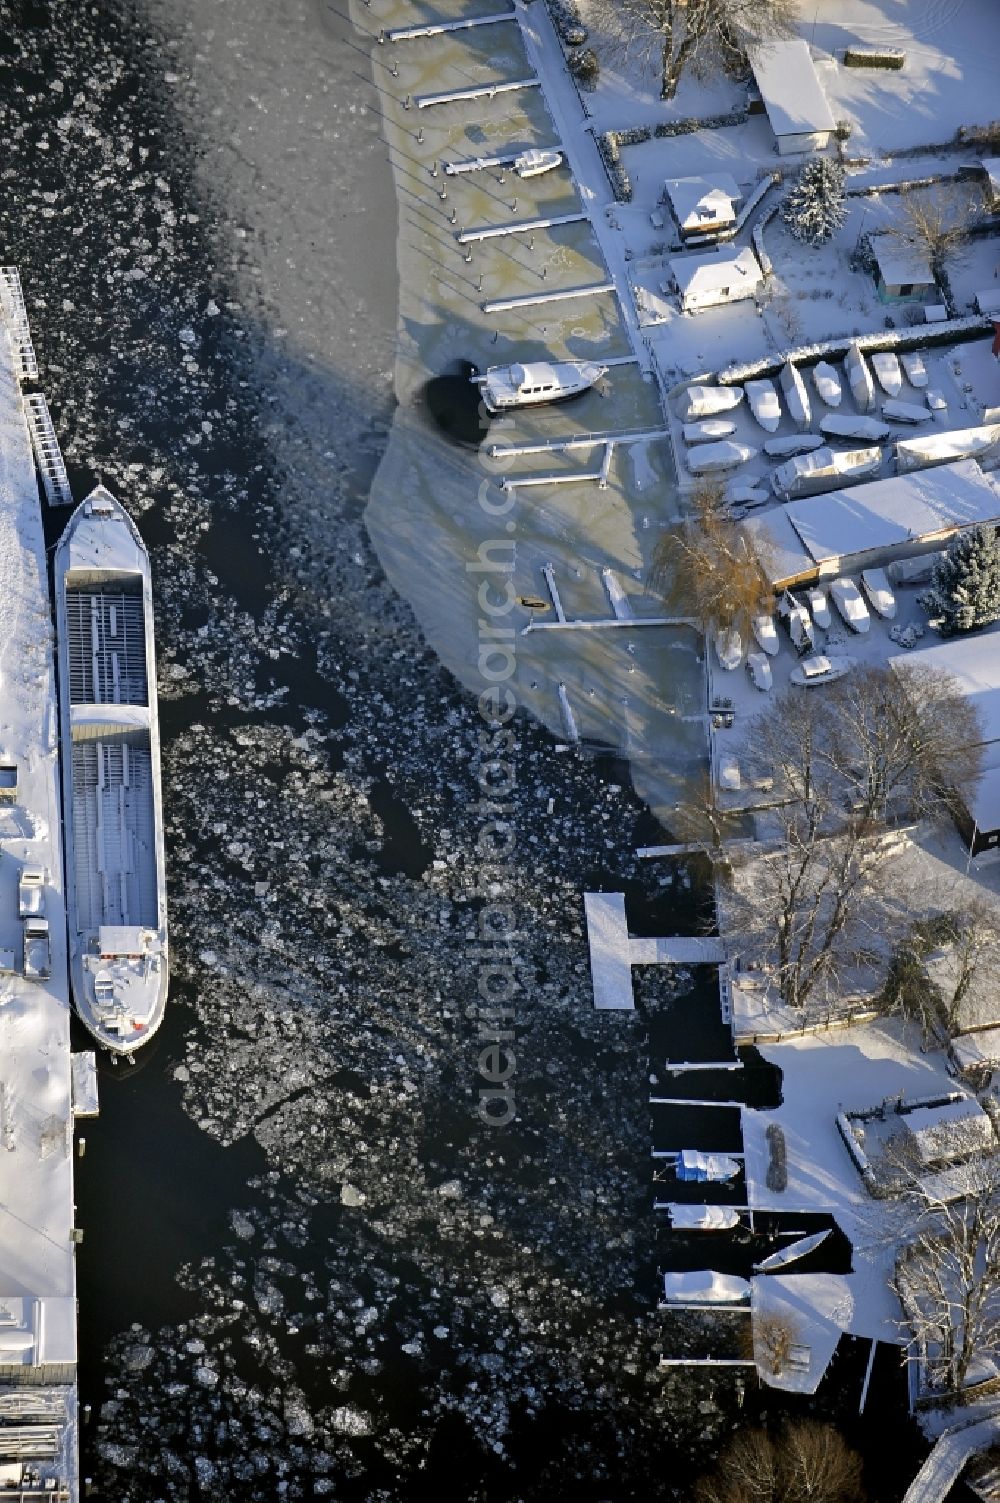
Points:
[[38, 1350]]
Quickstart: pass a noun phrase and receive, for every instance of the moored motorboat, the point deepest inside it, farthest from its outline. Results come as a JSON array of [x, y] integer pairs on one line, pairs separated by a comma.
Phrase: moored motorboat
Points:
[[537, 383], [534, 162], [112, 804]]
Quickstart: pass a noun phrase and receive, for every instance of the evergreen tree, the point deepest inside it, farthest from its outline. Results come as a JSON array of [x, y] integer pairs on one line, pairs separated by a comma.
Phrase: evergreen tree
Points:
[[965, 588], [814, 206]]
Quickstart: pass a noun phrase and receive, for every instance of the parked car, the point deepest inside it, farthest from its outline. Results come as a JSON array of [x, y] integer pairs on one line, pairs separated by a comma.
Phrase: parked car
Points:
[[847, 598], [819, 605], [879, 591], [759, 670]]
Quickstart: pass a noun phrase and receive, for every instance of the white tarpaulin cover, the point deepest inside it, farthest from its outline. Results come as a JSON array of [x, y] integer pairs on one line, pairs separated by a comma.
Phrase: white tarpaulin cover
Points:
[[705, 1287]]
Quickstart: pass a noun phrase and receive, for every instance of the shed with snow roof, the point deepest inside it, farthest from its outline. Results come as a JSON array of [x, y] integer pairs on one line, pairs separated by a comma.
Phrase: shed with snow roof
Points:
[[797, 108], [706, 281], [954, 1130], [702, 205], [902, 269]]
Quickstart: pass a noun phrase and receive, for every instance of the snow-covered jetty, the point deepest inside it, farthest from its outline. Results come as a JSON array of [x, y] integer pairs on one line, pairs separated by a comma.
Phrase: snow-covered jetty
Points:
[[38, 1351]]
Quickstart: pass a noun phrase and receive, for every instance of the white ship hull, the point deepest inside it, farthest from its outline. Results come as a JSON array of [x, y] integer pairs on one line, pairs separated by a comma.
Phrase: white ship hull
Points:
[[112, 799], [507, 386]]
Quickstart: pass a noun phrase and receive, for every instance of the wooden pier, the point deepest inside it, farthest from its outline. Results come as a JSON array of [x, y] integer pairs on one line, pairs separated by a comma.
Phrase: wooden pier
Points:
[[536, 299], [439, 28], [518, 227], [582, 441], [481, 91]]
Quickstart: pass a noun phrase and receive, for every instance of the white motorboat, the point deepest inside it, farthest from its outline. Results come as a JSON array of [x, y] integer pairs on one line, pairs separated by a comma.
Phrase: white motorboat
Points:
[[792, 1253], [764, 404], [859, 379], [824, 469], [707, 431], [887, 371], [819, 606], [534, 162], [729, 648], [707, 401], [766, 632], [701, 1218], [759, 670], [827, 383], [537, 383], [906, 412], [843, 425], [820, 669], [716, 459], [116, 896], [913, 364], [876, 586], [796, 396], [853, 611]]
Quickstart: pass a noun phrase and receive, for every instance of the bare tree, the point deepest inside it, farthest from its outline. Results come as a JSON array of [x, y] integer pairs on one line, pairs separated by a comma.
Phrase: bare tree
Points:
[[709, 568], [948, 1276], [805, 1460], [699, 36], [935, 969], [843, 765], [935, 222], [771, 1340]]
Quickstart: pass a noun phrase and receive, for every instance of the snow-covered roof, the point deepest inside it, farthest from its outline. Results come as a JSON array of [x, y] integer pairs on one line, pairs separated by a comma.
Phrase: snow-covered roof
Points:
[[696, 200], [790, 88], [900, 263], [954, 1130], [974, 663], [984, 804], [778, 546], [697, 276], [991, 166]]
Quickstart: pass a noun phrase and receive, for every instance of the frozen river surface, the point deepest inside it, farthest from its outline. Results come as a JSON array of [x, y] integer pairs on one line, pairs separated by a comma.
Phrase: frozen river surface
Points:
[[310, 1268]]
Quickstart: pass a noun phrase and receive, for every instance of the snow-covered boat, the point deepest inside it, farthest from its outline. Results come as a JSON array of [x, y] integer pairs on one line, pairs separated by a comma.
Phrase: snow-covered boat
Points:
[[820, 669], [707, 401], [707, 431], [116, 897], [534, 162], [819, 606], [859, 379], [887, 371], [906, 412], [536, 384], [766, 632], [876, 586], [796, 396], [853, 611], [797, 621], [764, 404], [792, 1253], [716, 459], [827, 383], [941, 448], [759, 671], [705, 1287], [824, 470], [843, 425], [701, 1218], [729, 648], [742, 494], [913, 364], [935, 401], [794, 443], [709, 1168]]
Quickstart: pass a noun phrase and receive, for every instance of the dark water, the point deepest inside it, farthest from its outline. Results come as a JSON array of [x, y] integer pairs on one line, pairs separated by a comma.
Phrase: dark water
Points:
[[309, 1268]]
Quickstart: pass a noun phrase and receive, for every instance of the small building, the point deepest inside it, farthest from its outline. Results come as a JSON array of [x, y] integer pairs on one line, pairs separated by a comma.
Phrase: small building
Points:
[[973, 663], [991, 186], [706, 281], [792, 95], [701, 205], [902, 270], [940, 1135]]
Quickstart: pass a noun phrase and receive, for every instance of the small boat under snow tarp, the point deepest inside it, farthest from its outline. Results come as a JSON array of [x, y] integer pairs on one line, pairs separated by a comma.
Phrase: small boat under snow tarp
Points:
[[792, 1253], [702, 1218], [827, 383], [841, 425], [913, 364], [820, 669], [764, 404], [729, 648], [766, 632], [716, 459], [692, 1164], [906, 412], [942, 448], [705, 1287], [859, 379], [707, 431], [707, 401], [796, 396], [887, 371], [795, 443], [824, 470]]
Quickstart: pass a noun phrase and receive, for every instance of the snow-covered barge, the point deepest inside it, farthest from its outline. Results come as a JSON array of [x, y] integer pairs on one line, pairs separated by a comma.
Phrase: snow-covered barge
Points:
[[112, 805]]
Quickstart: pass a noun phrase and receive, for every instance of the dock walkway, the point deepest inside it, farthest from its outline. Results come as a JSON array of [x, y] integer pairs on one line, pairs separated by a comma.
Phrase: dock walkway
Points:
[[952, 1450], [613, 951]]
